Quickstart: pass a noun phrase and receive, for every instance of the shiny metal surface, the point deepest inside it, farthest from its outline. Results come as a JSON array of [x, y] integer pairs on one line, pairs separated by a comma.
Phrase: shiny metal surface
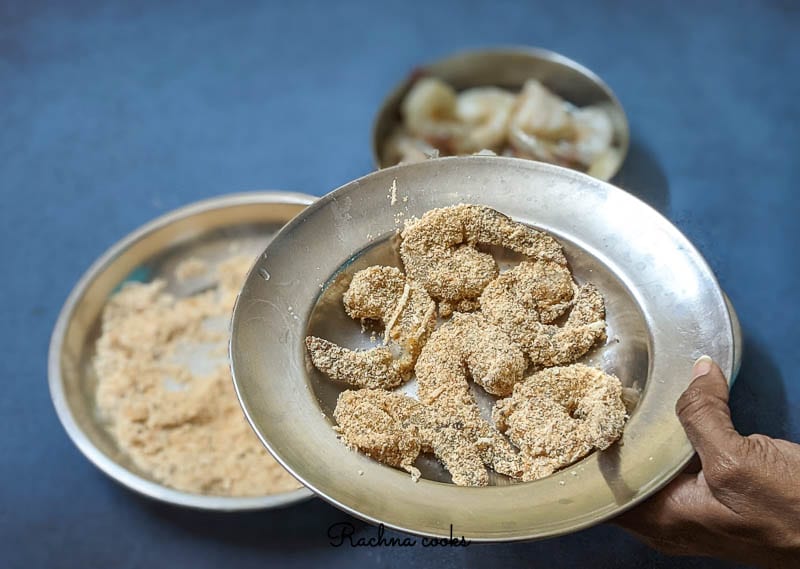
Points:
[[208, 230], [738, 339], [665, 309], [510, 67]]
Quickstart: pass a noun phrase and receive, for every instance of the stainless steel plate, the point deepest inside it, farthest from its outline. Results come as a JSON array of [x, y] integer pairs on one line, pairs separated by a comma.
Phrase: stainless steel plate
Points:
[[665, 309], [210, 230], [509, 68]]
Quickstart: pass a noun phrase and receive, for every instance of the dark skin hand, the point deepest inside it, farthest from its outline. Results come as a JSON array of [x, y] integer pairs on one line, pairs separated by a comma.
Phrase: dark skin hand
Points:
[[744, 503]]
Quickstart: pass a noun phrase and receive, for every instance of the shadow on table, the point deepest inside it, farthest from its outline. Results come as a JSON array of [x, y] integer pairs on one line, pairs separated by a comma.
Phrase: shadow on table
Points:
[[642, 176], [758, 398], [302, 525]]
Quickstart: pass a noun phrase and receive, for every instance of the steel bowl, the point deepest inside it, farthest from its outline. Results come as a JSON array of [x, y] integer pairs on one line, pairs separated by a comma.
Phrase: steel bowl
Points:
[[509, 68], [205, 230], [664, 308]]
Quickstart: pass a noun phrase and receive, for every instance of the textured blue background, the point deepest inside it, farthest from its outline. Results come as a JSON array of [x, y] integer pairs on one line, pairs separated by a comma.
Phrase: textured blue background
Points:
[[113, 114]]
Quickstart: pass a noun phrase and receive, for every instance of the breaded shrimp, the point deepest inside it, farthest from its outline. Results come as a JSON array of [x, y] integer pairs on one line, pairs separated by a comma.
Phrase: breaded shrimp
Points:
[[439, 251], [469, 347], [394, 429], [559, 415], [525, 300], [408, 315]]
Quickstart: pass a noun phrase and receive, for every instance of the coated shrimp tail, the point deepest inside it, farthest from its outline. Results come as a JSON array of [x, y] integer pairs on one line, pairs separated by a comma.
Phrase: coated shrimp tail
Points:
[[370, 368], [488, 226]]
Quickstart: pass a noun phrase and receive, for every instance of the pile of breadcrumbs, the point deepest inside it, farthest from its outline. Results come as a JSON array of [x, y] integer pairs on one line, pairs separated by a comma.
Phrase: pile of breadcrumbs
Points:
[[165, 390]]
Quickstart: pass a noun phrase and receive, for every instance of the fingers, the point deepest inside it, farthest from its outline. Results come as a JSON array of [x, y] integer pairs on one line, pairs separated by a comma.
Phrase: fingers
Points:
[[704, 413], [662, 509], [680, 519], [660, 521]]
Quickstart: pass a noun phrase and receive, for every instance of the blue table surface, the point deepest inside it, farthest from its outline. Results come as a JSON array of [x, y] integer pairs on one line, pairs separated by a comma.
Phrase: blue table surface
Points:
[[111, 114]]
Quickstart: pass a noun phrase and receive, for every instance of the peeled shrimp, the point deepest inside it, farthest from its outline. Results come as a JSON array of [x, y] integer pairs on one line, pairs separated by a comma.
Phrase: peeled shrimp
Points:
[[463, 123], [545, 127], [402, 148], [429, 111], [487, 111], [542, 113], [593, 136]]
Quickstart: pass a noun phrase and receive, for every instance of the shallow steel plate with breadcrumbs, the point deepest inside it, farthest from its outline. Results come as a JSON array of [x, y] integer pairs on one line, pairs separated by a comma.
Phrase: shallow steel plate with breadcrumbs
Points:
[[664, 309], [206, 232]]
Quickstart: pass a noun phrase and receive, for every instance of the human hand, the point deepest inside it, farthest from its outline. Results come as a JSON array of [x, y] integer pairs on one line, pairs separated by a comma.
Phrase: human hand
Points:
[[743, 505]]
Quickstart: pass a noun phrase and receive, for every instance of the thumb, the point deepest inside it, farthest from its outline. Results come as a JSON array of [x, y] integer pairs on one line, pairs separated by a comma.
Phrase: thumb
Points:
[[704, 413]]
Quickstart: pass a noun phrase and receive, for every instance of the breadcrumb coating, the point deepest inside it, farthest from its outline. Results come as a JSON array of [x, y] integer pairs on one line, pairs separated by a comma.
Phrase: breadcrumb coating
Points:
[[549, 345], [538, 291], [439, 251], [367, 368], [532, 316], [182, 427], [408, 315], [394, 429], [406, 311], [559, 415], [469, 347]]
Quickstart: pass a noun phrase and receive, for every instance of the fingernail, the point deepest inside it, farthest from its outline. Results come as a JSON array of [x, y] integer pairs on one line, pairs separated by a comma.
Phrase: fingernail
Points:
[[702, 366]]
